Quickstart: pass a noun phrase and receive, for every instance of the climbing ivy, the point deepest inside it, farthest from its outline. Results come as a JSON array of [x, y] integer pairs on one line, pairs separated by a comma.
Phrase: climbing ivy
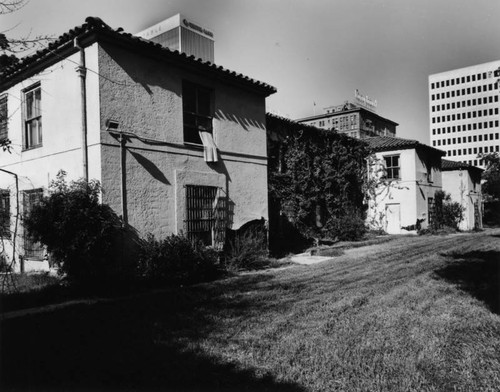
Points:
[[317, 179]]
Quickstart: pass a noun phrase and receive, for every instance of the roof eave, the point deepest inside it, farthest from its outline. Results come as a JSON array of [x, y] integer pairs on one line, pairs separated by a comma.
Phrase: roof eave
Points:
[[64, 47]]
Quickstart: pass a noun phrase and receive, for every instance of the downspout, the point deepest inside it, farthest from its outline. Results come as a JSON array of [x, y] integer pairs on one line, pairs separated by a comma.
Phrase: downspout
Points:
[[123, 152], [82, 71], [17, 222]]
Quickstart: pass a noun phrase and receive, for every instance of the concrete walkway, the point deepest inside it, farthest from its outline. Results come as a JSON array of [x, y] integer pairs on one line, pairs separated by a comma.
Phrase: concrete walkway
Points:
[[307, 258]]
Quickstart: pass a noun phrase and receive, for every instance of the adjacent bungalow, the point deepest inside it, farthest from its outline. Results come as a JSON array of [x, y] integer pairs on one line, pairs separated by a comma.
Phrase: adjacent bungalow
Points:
[[463, 182], [403, 178], [178, 144]]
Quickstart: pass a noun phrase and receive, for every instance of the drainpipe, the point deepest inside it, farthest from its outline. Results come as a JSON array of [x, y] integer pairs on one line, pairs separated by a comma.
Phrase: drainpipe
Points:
[[123, 152], [82, 71]]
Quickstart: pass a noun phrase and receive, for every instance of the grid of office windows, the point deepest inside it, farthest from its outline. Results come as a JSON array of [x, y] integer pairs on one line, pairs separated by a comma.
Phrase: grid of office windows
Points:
[[464, 112]]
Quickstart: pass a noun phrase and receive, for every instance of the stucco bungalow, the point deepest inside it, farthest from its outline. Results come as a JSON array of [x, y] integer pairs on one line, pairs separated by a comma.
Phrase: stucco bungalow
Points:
[[463, 183], [403, 178], [178, 144]]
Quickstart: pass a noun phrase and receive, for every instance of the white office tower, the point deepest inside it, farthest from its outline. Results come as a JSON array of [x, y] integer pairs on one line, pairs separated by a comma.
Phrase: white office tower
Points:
[[464, 112], [182, 34]]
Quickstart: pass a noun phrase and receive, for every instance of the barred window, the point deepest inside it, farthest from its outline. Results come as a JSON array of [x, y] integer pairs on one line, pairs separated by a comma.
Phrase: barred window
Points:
[[4, 115], [431, 212], [32, 249], [205, 215], [4, 213]]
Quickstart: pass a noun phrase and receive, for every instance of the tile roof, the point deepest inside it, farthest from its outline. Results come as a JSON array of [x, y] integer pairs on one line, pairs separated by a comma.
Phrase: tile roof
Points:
[[452, 165], [387, 143], [95, 26]]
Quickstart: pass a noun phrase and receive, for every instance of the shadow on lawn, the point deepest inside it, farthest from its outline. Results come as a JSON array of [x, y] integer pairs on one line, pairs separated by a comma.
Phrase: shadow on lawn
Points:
[[138, 343], [477, 273]]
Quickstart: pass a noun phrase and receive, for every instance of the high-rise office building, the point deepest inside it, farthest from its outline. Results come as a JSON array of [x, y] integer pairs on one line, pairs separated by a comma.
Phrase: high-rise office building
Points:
[[464, 112], [184, 35]]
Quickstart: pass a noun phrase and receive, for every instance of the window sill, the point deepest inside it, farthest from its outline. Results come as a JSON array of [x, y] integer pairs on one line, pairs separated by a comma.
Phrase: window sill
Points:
[[194, 145], [31, 148]]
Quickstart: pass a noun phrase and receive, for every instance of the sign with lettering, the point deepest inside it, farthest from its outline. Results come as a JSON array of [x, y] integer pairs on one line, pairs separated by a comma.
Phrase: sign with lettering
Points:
[[365, 101], [197, 28]]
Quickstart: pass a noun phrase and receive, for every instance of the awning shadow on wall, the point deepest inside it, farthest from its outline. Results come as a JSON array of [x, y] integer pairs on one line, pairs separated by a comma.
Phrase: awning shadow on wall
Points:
[[150, 167]]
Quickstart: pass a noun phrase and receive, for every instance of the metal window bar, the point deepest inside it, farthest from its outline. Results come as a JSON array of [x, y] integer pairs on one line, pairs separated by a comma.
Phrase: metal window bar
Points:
[[4, 213], [32, 249], [431, 210], [4, 115], [205, 215]]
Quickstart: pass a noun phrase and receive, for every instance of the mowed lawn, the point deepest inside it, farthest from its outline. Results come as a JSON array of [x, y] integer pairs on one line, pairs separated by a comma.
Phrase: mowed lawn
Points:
[[409, 314]]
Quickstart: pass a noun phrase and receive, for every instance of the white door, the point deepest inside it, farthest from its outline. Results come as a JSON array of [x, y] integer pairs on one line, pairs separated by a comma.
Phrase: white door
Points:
[[393, 218]]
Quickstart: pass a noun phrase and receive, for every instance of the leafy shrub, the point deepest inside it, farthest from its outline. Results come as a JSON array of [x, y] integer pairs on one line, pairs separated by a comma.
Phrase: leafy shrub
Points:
[[4, 264], [176, 259], [247, 250], [447, 213], [85, 237], [349, 227]]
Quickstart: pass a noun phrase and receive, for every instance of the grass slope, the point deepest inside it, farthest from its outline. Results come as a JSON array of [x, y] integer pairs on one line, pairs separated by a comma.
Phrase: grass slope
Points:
[[410, 314]]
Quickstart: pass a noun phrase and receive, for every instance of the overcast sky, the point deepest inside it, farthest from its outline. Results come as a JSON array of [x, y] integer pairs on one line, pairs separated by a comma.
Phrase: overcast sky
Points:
[[313, 50]]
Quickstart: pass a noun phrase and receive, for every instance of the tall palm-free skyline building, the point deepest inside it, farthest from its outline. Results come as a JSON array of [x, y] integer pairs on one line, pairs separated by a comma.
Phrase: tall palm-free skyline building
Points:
[[464, 112]]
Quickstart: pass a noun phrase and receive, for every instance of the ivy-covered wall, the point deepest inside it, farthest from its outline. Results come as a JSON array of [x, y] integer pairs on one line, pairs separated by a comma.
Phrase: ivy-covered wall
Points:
[[316, 184]]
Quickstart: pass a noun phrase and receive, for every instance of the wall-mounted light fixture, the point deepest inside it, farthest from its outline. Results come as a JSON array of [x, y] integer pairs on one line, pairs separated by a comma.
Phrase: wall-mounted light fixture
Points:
[[112, 125]]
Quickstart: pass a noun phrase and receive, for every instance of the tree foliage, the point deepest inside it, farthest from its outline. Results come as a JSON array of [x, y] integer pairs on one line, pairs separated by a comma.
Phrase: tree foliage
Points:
[[491, 189], [491, 176], [86, 237], [11, 46]]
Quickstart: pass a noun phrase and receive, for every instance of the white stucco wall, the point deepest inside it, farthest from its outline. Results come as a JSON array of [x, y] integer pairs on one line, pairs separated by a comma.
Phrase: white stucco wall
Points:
[[459, 184], [409, 194], [145, 96], [61, 147]]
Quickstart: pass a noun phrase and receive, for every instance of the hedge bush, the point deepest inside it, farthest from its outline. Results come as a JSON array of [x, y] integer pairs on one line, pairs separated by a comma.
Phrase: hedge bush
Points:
[[176, 259], [86, 238]]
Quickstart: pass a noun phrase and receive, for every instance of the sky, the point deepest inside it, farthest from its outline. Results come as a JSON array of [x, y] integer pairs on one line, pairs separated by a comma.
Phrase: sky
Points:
[[315, 52]]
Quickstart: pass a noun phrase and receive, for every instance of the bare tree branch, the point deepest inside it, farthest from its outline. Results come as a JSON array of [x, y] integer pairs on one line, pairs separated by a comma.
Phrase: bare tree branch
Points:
[[9, 6]]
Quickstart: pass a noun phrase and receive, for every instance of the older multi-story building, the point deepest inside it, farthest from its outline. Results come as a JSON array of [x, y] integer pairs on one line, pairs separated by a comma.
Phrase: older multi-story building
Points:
[[177, 143], [353, 120], [464, 118]]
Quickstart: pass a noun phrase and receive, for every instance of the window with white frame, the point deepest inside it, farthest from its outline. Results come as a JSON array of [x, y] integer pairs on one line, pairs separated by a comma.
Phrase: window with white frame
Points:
[[32, 117], [392, 167]]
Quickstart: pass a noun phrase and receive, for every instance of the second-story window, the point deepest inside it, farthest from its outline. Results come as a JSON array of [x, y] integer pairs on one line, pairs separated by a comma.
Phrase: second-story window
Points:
[[392, 167], [33, 117], [197, 111]]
